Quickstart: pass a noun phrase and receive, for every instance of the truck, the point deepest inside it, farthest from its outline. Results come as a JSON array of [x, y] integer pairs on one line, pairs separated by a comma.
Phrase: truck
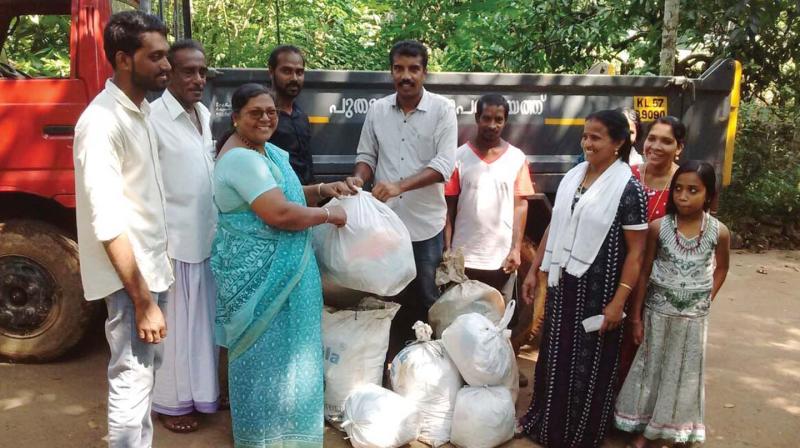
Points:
[[42, 310]]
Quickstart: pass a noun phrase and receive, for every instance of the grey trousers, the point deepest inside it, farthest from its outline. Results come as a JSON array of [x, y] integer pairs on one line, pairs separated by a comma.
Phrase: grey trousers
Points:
[[131, 374]]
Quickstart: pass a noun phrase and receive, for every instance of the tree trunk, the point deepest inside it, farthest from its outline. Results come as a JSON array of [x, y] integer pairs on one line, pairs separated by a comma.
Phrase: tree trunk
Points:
[[669, 37]]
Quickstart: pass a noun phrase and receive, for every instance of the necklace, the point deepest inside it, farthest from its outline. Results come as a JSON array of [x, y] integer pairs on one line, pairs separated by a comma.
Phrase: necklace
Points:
[[652, 213], [248, 143], [699, 235]]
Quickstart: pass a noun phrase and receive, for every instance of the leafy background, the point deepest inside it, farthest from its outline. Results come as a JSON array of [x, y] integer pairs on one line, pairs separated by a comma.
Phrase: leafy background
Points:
[[539, 36]]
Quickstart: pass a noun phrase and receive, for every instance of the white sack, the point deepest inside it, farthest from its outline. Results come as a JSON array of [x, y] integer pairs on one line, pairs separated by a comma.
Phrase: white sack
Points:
[[378, 418], [354, 349], [511, 379], [481, 350], [484, 417], [423, 373], [372, 253], [471, 296]]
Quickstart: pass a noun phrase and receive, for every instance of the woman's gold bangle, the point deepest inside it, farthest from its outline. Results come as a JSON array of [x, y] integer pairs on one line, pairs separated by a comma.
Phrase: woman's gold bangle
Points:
[[626, 286], [319, 190], [327, 215]]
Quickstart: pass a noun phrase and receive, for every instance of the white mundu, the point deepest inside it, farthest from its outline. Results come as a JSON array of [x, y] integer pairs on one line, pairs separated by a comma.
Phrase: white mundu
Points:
[[187, 378], [484, 223]]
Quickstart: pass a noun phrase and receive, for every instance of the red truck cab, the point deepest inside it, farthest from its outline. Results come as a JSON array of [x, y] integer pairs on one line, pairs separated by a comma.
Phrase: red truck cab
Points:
[[42, 94]]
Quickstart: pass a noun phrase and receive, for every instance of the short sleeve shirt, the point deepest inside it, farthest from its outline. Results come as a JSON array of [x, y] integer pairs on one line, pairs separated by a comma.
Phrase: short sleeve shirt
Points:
[[240, 176], [486, 189]]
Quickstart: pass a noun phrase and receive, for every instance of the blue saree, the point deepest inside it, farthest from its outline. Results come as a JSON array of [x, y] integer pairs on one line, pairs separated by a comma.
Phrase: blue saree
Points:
[[269, 307]]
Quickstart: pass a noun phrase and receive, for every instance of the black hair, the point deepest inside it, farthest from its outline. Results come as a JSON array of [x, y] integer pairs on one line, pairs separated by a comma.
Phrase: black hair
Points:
[[272, 62], [633, 115], [240, 97], [183, 44], [677, 126], [124, 30], [492, 99], [411, 48], [618, 129], [705, 172]]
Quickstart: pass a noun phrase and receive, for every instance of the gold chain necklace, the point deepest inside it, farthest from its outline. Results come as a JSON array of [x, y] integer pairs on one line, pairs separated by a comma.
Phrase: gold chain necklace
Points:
[[660, 195]]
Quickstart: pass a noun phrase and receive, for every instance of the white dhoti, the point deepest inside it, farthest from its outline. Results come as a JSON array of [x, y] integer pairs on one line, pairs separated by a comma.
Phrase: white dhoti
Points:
[[187, 379]]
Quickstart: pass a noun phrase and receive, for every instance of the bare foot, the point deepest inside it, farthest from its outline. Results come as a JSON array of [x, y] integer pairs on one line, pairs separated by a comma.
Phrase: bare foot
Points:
[[640, 441], [181, 424]]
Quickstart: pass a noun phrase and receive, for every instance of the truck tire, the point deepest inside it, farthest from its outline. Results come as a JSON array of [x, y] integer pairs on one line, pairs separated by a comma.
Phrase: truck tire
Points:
[[531, 317], [42, 310]]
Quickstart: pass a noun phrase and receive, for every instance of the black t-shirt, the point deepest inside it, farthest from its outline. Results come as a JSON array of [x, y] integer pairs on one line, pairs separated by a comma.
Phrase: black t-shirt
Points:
[[294, 136]]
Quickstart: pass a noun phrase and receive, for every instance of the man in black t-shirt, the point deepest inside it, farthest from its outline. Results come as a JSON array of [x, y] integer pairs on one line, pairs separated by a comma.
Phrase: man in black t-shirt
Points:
[[287, 71]]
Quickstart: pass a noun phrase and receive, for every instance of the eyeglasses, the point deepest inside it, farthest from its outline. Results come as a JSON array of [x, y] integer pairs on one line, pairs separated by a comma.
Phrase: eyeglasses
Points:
[[256, 114]]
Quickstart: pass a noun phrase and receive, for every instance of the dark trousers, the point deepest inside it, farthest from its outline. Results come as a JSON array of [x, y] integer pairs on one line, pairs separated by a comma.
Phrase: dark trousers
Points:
[[419, 295], [496, 279]]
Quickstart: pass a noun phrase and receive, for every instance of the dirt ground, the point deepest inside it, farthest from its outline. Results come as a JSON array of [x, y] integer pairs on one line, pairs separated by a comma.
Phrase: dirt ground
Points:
[[752, 389]]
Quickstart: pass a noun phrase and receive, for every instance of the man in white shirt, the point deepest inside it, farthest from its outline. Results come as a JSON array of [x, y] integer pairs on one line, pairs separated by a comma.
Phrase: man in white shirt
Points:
[[122, 236], [187, 379], [407, 146], [487, 200]]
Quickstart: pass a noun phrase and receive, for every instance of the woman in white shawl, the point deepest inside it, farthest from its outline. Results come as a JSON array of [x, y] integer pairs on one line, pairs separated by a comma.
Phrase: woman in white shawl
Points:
[[593, 254]]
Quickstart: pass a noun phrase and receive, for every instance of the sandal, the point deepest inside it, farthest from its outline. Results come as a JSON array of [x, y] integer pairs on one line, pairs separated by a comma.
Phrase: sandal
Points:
[[180, 424], [519, 431]]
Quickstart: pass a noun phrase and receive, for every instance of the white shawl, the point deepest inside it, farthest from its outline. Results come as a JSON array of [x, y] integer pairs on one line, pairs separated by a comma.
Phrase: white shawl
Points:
[[575, 237]]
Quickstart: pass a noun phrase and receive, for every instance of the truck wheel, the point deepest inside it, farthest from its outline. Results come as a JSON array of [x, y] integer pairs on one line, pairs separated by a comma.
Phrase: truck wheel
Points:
[[42, 310], [531, 317]]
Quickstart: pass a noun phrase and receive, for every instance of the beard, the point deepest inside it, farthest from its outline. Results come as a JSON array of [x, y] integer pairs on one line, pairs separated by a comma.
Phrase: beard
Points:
[[284, 89], [145, 82]]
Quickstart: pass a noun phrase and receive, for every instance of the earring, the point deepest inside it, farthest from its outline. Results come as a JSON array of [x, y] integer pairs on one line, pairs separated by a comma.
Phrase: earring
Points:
[[235, 124]]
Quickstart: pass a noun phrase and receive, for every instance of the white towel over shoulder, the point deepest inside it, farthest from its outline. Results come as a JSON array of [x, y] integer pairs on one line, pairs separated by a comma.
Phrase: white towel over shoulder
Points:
[[575, 237]]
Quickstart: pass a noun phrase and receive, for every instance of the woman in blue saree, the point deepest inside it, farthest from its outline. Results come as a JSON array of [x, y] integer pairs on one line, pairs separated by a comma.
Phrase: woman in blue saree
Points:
[[269, 304]]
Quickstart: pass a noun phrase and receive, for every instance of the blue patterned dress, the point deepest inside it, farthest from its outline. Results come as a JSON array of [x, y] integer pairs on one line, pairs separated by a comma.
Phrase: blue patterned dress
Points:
[[269, 306]]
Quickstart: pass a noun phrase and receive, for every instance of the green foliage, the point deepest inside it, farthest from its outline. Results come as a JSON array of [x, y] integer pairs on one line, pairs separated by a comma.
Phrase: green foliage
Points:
[[39, 45], [542, 36], [765, 189]]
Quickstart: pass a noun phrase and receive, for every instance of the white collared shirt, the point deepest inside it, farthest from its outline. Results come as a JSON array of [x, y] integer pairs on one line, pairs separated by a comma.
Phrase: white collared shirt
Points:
[[187, 166], [397, 146], [118, 190]]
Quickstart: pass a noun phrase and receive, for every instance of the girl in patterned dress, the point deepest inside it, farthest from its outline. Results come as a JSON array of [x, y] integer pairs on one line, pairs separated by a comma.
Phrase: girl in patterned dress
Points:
[[686, 262], [663, 146]]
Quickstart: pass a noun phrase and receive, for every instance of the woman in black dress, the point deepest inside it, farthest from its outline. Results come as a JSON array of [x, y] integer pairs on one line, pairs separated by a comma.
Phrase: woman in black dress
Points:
[[593, 254]]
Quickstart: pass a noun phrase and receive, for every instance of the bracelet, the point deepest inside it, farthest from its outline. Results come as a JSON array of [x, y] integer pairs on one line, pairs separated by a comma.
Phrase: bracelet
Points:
[[626, 286], [319, 190], [327, 215]]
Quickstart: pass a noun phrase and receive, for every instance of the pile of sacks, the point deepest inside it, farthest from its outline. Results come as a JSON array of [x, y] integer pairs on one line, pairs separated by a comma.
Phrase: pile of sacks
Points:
[[429, 401]]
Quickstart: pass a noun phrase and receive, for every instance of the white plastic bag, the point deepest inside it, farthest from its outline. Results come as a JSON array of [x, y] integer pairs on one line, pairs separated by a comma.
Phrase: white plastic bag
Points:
[[354, 350], [378, 418], [471, 296], [372, 253], [423, 373], [511, 379], [481, 350], [484, 417]]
